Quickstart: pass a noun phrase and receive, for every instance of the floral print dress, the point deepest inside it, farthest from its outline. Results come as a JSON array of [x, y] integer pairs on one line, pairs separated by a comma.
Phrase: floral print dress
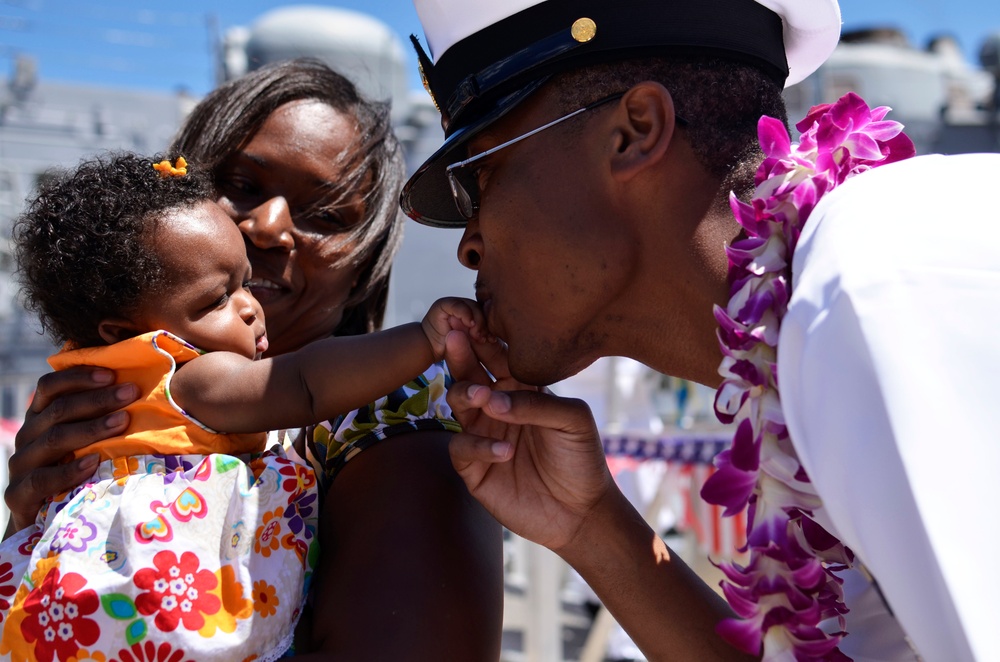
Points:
[[191, 556]]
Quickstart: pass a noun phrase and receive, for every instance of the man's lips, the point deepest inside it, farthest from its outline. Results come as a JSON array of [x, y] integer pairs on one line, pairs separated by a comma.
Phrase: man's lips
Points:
[[485, 299]]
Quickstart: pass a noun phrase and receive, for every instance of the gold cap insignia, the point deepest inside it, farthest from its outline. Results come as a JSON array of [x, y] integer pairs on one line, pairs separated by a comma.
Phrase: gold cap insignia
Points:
[[583, 29], [427, 85]]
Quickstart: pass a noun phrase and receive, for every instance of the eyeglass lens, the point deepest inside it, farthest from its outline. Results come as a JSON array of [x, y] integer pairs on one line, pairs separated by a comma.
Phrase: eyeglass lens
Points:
[[461, 191]]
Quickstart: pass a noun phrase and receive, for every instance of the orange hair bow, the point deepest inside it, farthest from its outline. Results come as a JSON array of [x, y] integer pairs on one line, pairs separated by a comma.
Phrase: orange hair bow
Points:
[[167, 170]]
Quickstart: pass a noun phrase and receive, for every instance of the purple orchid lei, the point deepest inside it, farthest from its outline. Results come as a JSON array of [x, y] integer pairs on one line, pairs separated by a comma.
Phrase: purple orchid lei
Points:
[[789, 584]]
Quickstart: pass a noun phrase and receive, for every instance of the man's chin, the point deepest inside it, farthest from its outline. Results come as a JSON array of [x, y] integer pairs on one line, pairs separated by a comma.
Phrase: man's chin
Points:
[[541, 368]]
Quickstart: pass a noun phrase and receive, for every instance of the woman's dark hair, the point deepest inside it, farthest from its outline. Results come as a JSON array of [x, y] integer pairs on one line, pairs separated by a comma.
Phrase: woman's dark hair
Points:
[[84, 244], [721, 99], [230, 116]]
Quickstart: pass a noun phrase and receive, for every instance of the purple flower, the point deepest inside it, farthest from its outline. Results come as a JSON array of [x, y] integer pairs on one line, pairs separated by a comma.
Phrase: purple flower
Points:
[[789, 584], [299, 511], [74, 535]]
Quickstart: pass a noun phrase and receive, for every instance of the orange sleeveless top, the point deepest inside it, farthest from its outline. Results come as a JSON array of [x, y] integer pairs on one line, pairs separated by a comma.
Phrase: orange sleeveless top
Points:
[[157, 425]]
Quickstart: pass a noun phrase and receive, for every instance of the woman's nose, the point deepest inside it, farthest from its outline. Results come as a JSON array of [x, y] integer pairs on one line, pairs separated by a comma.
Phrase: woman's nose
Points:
[[470, 249], [269, 224]]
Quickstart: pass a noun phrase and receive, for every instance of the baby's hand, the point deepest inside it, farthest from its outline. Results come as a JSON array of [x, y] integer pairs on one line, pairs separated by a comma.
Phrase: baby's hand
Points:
[[453, 314]]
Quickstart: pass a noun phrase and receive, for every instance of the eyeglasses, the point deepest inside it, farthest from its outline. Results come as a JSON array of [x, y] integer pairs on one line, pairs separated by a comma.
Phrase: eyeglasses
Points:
[[463, 183]]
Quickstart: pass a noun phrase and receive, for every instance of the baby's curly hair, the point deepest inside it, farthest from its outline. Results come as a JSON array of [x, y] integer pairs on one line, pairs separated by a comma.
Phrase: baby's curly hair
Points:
[[83, 246]]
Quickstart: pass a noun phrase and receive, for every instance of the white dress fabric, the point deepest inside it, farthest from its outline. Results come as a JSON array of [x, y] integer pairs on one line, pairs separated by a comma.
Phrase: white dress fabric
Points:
[[889, 358]]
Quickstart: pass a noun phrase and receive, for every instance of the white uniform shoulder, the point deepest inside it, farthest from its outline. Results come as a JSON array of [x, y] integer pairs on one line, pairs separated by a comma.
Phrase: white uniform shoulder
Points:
[[887, 362]]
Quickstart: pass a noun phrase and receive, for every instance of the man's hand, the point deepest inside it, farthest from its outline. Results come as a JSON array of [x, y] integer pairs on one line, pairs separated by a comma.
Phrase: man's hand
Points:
[[534, 460]]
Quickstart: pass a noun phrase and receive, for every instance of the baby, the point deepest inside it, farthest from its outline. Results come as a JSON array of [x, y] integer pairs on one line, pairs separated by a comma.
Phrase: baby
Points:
[[190, 536]]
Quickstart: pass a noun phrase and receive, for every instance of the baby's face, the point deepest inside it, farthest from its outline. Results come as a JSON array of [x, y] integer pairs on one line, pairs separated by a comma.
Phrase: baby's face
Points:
[[210, 305]]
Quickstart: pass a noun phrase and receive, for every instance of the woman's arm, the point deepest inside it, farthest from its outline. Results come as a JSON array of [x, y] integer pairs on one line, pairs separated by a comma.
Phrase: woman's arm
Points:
[[411, 565], [70, 409]]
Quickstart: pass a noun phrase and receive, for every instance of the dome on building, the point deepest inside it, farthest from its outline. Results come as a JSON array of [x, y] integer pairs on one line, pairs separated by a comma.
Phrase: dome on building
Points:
[[357, 45]]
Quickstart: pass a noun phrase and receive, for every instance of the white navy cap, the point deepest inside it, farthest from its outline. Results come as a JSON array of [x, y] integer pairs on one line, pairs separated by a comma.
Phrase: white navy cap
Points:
[[486, 56]]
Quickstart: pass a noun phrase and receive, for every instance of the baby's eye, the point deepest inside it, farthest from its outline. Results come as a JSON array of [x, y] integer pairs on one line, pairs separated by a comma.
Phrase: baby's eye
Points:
[[218, 303]]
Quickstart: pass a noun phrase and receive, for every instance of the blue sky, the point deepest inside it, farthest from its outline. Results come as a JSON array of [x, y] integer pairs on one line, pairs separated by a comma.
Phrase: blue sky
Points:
[[166, 45]]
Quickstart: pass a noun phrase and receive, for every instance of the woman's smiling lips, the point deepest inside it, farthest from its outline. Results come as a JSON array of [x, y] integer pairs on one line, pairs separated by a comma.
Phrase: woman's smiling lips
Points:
[[265, 290]]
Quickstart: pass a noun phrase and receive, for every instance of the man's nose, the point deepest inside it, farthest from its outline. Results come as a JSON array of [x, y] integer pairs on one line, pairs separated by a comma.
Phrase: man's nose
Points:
[[470, 248]]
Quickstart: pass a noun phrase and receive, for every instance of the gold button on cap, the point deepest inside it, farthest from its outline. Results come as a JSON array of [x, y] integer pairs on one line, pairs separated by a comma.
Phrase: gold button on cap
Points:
[[583, 29]]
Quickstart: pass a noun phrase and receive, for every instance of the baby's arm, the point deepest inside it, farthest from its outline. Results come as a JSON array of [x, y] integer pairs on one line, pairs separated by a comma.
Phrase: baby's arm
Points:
[[232, 393]]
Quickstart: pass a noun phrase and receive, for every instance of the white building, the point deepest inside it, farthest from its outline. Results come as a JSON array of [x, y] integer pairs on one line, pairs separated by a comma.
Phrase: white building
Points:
[[45, 124]]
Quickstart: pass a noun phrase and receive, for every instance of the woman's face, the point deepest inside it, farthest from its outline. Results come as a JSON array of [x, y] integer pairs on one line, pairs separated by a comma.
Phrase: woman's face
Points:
[[277, 189]]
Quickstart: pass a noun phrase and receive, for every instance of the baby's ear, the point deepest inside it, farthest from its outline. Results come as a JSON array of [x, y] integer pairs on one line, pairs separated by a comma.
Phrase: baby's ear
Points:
[[117, 329]]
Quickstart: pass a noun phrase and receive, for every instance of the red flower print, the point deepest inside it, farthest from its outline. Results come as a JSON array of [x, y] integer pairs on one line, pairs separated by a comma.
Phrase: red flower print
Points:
[[7, 587], [149, 652], [295, 478], [268, 533], [176, 591], [28, 546], [265, 602], [54, 616]]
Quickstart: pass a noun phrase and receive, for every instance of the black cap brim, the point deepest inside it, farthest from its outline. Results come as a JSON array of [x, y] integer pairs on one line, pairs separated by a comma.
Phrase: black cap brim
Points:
[[484, 76], [428, 191]]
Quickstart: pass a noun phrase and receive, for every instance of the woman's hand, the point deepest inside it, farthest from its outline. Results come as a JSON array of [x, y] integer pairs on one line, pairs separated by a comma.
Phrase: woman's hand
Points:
[[534, 460], [70, 409]]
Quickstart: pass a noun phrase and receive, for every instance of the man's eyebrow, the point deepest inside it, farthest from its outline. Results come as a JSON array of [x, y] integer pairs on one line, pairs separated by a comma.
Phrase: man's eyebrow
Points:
[[487, 135]]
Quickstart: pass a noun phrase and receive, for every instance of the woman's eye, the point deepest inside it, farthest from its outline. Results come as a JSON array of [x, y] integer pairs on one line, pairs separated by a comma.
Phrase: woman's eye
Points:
[[324, 219], [331, 217], [237, 184]]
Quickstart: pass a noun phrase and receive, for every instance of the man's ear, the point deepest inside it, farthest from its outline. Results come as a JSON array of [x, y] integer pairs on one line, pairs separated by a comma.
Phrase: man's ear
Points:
[[645, 128], [116, 329]]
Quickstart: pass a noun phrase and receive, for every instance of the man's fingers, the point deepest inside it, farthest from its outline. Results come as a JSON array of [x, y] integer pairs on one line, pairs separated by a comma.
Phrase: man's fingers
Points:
[[493, 356], [473, 456], [462, 361], [467, 449], [567, 415], [464, 397]]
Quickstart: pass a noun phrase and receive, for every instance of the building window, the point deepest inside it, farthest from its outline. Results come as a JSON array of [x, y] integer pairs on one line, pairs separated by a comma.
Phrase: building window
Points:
[[7, 402]]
